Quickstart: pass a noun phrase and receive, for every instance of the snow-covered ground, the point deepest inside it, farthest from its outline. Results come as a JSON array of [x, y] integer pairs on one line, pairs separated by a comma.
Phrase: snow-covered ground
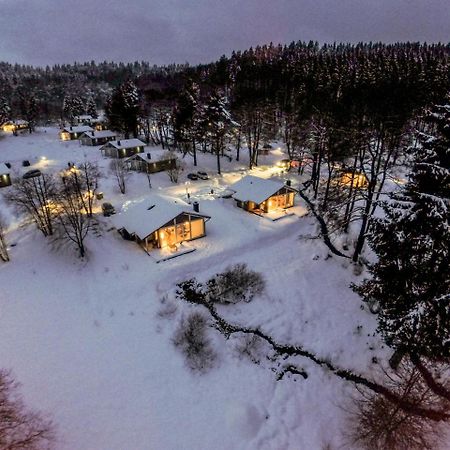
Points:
[[87, 343]]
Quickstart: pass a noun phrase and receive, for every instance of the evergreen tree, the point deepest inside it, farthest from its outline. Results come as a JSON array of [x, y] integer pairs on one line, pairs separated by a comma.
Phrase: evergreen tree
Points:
[[91, 107], [28, 107], [122, 109], [216, 122], [73, 106], [185, 118], [4, 110], [411, 281]]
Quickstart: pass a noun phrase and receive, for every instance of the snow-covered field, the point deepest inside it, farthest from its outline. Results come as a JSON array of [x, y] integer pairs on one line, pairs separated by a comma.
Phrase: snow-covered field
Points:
[[87, 343]]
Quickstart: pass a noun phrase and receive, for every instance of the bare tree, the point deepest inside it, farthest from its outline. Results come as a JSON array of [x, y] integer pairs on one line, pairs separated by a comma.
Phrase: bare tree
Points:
[[34, 197], [21, 429], [120, 172], [377, 423], [3, 245], [177, 168], [83, 179], [73, 221], [418, 402]]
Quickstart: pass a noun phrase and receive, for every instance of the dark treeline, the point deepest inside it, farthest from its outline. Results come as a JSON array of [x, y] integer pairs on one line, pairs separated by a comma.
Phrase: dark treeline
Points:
[[301, 74]]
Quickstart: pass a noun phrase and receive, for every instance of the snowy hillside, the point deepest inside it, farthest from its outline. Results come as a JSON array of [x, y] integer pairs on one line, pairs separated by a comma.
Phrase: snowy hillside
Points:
[[88, 342]]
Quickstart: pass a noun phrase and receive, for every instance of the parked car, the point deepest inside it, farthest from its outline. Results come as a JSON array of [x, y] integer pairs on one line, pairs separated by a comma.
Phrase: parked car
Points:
[[192, 176], [202, 175], [108, 209], [32, 173]]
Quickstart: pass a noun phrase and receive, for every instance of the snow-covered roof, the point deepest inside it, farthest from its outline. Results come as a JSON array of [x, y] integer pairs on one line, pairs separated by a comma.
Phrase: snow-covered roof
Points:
[[4, 169], [126, 143], [136, 156], [156, 157], [255, 189], [78, 129], [17, 123], [99, 134], [146, 216]]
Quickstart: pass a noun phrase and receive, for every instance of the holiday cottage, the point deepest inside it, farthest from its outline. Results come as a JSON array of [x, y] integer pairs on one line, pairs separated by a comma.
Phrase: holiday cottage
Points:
[[160, 223], [139, 163], [122, 148], [73, 132], [5, 175], [13, 126], [260, 195], [94, 138]]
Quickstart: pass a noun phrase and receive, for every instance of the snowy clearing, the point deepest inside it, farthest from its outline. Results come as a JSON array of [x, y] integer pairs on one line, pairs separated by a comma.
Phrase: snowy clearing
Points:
[[87, 343]]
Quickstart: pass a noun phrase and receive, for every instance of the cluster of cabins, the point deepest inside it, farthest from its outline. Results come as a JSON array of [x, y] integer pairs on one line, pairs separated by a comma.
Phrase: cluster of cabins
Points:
[[164, 223], [131, 150]]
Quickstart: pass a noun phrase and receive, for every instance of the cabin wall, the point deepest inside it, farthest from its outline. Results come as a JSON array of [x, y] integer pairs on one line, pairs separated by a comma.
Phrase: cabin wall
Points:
[[184, 228]]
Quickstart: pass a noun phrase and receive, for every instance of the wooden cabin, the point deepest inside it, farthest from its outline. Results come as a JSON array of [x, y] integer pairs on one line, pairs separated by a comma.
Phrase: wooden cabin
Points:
[[139, 163], [123, 148], [5, 175], [260, 195], [160, 223], [13, 126], [356, 179], [71, 133], [94, 138], [98, 123]]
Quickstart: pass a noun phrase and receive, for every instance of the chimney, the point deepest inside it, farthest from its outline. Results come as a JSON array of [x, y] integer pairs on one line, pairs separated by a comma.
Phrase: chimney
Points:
[[196, 207], [71, 128], [149, 155], [118, 142], [288, 182]]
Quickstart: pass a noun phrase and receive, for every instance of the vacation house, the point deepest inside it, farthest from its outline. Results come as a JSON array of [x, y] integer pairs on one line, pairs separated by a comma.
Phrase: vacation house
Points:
[[160, 223], [73, 132], [94, 138], [122, 148], [260, 195], [140, 164], [13, 126]]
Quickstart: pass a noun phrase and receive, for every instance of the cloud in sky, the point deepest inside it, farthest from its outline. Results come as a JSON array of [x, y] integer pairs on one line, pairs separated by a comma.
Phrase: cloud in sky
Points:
[[164, 31]]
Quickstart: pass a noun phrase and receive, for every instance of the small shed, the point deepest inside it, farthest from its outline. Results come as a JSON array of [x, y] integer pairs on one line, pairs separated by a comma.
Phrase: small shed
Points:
[[73, 132], [123, 148], [94, 138], [139, 163], [5, 175], [160, 223], [256, 194]]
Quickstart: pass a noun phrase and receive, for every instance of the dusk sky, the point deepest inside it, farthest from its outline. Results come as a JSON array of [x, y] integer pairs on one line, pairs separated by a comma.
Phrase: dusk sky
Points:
[[41, 32]]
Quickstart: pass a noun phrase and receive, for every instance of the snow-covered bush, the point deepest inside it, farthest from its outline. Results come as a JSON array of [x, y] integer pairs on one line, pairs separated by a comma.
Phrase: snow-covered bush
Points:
[[235, 284], [191, 338]]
